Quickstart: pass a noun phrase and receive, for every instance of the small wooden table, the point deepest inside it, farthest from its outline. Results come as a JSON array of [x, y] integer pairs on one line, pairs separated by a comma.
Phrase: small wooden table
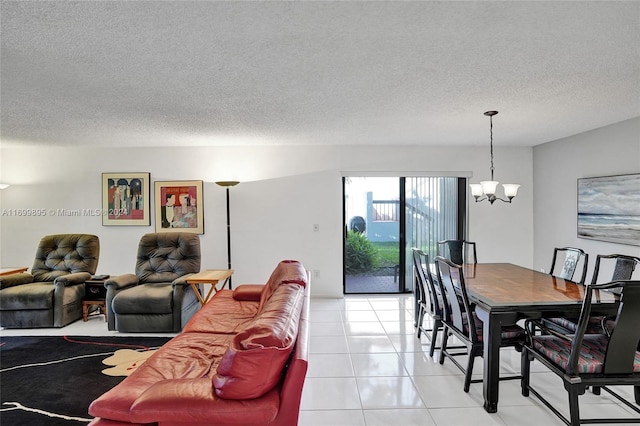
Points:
[[209, 276], [9, 271], [95, 295]]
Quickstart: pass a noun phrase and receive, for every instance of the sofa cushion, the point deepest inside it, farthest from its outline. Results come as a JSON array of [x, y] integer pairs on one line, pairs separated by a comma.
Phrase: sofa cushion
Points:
[[253, 364], [248, 292], [223, 314], [186, 356], [287, 272]]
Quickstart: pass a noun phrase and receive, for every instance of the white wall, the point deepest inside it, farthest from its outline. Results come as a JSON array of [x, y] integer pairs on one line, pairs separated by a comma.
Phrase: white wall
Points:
[[284, 191], [610, 150]]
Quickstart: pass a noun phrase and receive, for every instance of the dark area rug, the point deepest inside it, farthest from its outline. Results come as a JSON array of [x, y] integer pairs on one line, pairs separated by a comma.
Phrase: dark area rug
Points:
[[52, 380]]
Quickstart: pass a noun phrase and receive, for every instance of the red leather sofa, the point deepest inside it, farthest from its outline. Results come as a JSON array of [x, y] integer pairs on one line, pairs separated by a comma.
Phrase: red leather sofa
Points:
[[240, 360]]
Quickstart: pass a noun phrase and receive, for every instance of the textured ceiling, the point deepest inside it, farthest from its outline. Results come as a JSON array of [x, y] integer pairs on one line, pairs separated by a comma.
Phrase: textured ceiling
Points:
[[178, 73]]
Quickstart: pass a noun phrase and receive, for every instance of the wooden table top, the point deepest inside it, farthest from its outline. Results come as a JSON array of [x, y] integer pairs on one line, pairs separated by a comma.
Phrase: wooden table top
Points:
[[210, 276], [505, 284], [9, 271]]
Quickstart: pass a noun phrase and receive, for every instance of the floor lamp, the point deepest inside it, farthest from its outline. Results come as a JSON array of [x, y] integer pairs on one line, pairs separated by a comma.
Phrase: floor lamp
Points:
[[228, 184]]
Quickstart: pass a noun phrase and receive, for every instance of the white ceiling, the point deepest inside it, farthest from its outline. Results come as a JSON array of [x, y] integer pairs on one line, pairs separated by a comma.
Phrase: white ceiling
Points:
[[178, 73]]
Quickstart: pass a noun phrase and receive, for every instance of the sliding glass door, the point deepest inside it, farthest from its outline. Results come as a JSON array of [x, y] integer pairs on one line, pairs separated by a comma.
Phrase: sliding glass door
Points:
[[384, 217]]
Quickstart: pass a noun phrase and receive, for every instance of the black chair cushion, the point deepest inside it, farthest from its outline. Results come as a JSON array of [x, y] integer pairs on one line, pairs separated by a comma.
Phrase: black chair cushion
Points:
[[154, 298], [591, 355], [28, 296]]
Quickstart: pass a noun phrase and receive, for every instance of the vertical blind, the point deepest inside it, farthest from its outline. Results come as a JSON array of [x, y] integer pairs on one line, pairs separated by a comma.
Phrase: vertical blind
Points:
[[431, 215]]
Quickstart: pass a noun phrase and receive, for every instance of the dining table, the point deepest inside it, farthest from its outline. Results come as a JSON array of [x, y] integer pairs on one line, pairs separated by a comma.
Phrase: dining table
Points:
[[505, 293]]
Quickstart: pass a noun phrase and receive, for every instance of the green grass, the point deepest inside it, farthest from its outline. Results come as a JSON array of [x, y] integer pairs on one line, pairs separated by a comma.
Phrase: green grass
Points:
[[388, 253]]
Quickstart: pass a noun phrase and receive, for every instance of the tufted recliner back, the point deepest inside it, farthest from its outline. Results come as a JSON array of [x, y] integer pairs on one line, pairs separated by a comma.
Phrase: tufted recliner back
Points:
[[163, 257], [64, 254]]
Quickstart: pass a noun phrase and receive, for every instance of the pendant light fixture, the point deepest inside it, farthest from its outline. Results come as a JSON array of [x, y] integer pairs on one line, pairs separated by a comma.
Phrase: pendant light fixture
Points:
[[486, 190]]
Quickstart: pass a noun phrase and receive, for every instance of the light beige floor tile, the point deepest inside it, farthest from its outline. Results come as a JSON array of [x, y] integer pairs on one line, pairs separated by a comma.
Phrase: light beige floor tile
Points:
[[330, 394], [465, 416], [330, 365], [388, 392], [404, 417], [370, 344], [331, 418], [377, 364]]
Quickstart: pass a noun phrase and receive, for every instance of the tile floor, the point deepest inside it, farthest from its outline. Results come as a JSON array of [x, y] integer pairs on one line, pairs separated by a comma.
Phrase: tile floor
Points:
[[366, 367]]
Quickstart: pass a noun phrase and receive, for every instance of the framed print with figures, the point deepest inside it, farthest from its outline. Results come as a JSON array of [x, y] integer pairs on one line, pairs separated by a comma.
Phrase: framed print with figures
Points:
[[125, 199], [179, 206]]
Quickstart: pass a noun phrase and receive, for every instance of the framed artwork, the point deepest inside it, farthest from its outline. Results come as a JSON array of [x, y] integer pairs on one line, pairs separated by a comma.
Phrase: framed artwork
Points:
[[609, 208], [179, 206], [125, 199]]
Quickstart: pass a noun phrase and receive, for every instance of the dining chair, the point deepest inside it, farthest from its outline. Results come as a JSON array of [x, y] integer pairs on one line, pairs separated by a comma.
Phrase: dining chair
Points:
[[459, 319], [429, 299], [621, 267], [459, 251], [566, 268], [582, 360]]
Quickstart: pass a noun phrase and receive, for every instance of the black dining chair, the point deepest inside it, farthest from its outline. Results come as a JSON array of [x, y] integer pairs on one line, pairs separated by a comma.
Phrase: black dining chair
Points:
[[458, 251], [565, 262], [582, 360], [429, 299], [621, 267], [459, 319]]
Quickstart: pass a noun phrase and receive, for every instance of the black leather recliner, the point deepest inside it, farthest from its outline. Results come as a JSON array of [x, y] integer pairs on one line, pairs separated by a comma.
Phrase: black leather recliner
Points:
[[51, 294], [157, 297]]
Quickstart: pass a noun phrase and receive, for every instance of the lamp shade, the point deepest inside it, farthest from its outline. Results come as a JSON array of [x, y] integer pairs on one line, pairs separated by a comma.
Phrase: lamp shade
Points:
[[489, 186], [510, 189], [476, 189]]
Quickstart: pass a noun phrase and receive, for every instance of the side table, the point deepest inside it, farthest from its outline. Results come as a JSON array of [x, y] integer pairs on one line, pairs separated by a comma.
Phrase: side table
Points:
[[9, 271], [209, 276], [95, 294]]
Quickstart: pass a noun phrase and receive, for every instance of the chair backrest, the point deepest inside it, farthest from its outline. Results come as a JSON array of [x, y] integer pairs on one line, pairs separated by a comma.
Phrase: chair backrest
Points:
[[622, 345], [63, 254], [566, 268], [427, 291], [623, 267], [457, 309], [459, 251], [165, 256]]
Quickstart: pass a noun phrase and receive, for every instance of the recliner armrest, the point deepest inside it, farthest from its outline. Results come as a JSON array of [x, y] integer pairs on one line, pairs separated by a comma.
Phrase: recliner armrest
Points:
[[15, 279], [181, 280], [72, 279], [121, 281]]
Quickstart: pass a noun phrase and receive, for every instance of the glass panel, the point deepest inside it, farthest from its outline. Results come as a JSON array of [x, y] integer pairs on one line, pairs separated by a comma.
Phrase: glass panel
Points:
[[372, 244], [431, 216]]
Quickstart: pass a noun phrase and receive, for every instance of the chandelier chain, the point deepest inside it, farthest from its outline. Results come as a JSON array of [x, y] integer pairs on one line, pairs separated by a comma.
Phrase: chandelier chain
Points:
[[491, 142]]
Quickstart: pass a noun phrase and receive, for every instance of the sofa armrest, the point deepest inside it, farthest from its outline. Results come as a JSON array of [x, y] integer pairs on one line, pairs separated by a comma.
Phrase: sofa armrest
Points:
[[121, 281], [248, 292], [72, 279], [193, 401], [15, 279]]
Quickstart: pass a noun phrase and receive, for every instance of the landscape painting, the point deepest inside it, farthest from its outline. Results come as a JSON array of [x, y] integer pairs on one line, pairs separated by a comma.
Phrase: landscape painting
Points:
[[609, 209]]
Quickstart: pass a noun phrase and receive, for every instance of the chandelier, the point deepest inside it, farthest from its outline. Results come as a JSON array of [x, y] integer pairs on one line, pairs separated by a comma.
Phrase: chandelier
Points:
[[487, 188]]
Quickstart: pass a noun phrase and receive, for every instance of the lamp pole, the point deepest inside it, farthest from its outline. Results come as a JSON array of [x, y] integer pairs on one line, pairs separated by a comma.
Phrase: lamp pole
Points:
[[227, 184]]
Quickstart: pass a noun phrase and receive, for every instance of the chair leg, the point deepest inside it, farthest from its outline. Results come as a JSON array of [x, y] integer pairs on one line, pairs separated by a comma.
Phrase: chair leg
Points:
[[420, 320], [469, 372], [636, 392], [525, 369], [434, 335], [574, 408], [443, 345]]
